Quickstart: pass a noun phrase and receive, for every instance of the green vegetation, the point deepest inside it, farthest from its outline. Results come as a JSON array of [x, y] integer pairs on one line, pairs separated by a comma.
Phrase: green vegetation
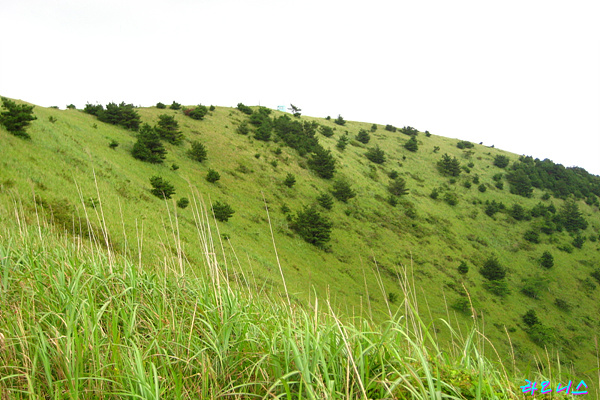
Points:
[[212, 176], [197, 113], [222, 211], [376, 155], [363, 136], [161, 188], [342, 190], [148, 147], [312, 226], [289, 180], [72, 171], [168, 129], [17, 117], [197, 152], [412, 144]]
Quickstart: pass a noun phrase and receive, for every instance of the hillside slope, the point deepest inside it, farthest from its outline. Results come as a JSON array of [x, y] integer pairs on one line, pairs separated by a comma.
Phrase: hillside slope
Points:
[[67, 171]]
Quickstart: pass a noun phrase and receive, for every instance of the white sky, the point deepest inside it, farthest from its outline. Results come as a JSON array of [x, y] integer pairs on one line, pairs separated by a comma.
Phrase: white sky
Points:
[[522, 75]]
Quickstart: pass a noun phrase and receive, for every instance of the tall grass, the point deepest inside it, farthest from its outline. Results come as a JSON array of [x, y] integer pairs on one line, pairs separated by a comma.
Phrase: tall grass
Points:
[[78, 321]]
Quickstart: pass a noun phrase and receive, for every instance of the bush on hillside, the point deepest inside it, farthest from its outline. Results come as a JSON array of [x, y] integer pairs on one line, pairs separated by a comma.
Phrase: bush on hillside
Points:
[[197, 152], [412, 144], [390, 128], [376, 155], [340, 121], [326, 131], [175, 106], [571, 218], [409, 130], [113, 144], [463, 268], [342, 142], [160, 106], [198, 113], [123, 115], [243, 128], [16, 118], [183, 202], [322, 163], [397, 187], [342, 190], [374, 128], [148, 147], [245, 109], [312, 226], [547, 260], [449, 166], [161, 188], [289, 180], [501, 161], [212, 176], [168, 129], [492, 270], [363, 136], [325, 201], [93, 109], [464, 144], [222, 211]]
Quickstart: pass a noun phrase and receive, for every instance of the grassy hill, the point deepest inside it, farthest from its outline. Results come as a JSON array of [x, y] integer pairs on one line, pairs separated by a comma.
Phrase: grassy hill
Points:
[[68, 174]]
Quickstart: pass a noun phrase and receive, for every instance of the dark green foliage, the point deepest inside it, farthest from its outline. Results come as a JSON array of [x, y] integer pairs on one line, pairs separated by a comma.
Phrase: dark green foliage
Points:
[[409, 130], [518, 212], [174, 167], [175, 106], [464, 144], [530, 318], [392, 200], [571, 218], [295, 111], [93, 109], [183, 202], [393, 174], [198, 113], [160, 106], [52, 119], [168, 129], [467, 184], [113, 144], [212, 108], [390, 128], [501, 161], [289, 180], [532, 236], [392, 297], [285, 209], [482, 188], [427, 134], [534, 286], [161, 188], [123, 115], [520, 183], [547, 260], [16, 118], [148, 147], [312, 226], [412, 144], [363, 136], [342, 142], [374, 128], [326, 131], [541, 335], [376, 155], [497, 177], [499, 185], [596, 275], [342, 190], [296, 134], [197, 152], [436, 149], [451, 198], [397, 187], [578, 241], [493, 207], [449, 166], [71, 107], [325, 201], [245, 109], [212, 176], [497, 287], [492, 270], [243, 128], [539, 210], [434, 194], [476, 179], [222, 211], [322, 163], [546, 196], [340, 121], [263, 132], [562, 304], [463, 268]]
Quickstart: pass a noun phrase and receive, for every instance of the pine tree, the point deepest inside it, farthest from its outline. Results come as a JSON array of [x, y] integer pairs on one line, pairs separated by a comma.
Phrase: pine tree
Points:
[[289, 180], [168, 129], [492, 270], [363, 136], [148, 147], [322, 162], [312, 226], [376, 155], [161, 188], [412, 144], [197, 152], [340, 121], [520, 183], [449, 166], [342, 190], [17, 117], [325, 200], [547, 261], [397, 187], [222, 211], [571, 218], [212, 176]]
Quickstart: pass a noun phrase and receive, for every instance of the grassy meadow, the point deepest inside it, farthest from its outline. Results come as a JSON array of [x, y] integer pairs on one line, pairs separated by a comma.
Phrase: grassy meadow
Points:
[[120, 293]]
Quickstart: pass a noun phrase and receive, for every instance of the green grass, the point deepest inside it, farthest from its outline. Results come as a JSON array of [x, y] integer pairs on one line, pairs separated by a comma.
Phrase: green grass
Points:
[[79, 322], [69, 161]]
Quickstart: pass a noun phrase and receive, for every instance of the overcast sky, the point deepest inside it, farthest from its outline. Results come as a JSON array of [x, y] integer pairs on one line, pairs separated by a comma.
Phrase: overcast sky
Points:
[[521, 75]]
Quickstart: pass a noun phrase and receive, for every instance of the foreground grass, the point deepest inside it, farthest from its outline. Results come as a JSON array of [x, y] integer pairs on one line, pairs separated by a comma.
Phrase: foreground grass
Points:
[[79, 322]]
